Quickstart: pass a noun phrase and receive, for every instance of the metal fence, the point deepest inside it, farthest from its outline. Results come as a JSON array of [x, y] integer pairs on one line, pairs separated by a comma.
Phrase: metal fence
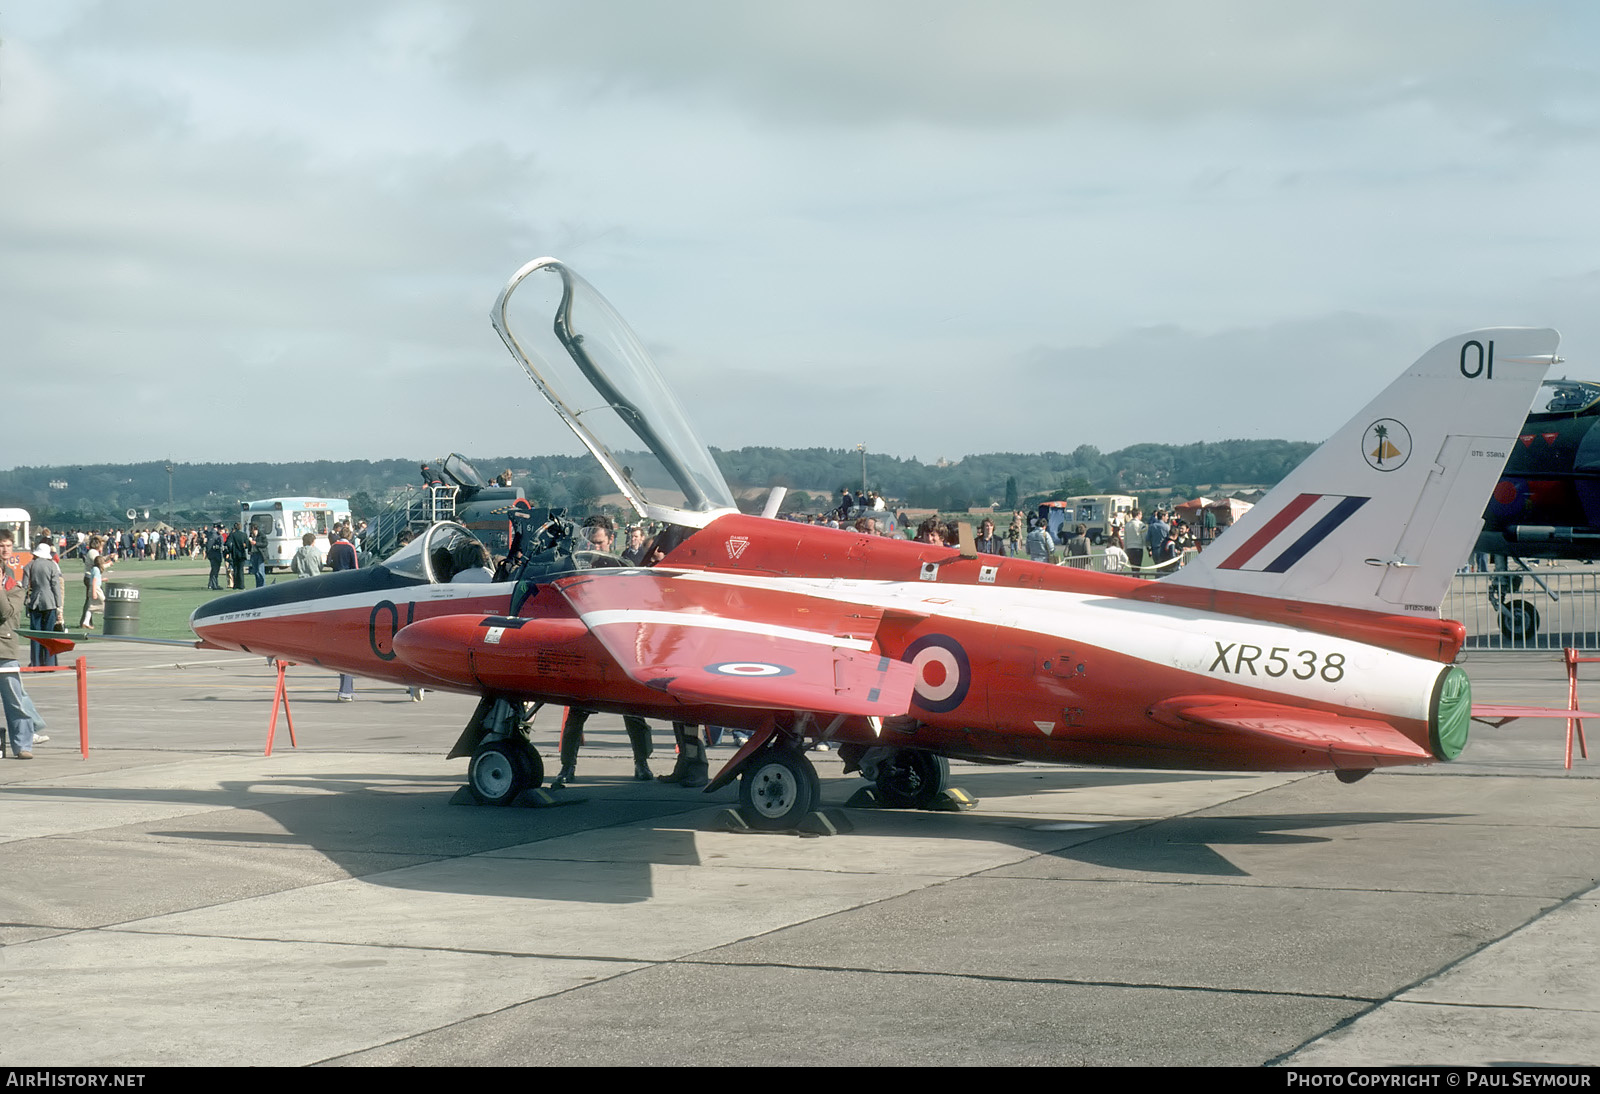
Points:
[[1544, 608]]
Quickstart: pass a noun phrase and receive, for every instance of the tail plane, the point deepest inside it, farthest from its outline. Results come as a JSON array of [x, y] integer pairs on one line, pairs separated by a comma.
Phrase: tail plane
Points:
[[1384, 513]]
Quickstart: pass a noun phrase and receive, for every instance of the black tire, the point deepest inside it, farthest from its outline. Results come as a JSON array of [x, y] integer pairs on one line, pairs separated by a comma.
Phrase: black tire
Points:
[[501, 770], [912, 779], [535, 763], [777, 789], [1519, 621]]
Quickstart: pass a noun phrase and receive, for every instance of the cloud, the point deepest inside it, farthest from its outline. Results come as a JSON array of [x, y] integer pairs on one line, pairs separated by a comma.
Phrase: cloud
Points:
[[952, 62], [164, 268], [1298, 380], [873, 62], [285, 25], [928, 225]]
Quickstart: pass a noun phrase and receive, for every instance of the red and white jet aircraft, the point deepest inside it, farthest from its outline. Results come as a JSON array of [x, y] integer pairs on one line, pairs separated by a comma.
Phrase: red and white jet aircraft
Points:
[[1306, 638]]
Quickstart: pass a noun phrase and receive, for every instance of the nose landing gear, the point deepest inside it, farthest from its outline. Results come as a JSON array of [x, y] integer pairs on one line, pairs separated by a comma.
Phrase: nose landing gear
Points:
[[778, 788], [501, 770]]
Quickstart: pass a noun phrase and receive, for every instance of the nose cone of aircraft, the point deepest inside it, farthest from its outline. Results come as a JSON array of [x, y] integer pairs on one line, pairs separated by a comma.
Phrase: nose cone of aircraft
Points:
[[229, 605], [240, 618], [280, 611]]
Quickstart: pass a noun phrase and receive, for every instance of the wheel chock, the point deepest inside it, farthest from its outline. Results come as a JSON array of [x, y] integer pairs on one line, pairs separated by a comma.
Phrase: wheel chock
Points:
[[528, 799], [829, 822], [866, 798], [539, 798], [952, 800]]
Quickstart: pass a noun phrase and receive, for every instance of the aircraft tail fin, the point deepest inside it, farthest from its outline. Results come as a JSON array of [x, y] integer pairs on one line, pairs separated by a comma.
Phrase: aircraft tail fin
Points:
[[1385, 511]]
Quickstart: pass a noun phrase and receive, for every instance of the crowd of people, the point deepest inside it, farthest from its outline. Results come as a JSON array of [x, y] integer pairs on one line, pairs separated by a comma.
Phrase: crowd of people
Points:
[[154, 544], [1128, 543]]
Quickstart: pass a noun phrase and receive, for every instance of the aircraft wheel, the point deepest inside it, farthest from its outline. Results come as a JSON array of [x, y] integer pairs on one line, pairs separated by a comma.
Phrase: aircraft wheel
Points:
[[501, 770], [1519, 620], [778, 788], [912, 778]]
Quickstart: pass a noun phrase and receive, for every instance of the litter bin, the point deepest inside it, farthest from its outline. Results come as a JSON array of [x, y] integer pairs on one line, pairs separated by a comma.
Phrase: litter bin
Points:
[[122, 609]]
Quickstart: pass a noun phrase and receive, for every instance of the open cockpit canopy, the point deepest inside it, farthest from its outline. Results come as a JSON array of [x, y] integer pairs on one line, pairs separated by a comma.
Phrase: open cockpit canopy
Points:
[[456, 468], [599, 378]]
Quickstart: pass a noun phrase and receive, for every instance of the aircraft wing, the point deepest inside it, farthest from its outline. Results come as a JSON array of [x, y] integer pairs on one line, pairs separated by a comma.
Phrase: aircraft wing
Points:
[[730, 646], [60, 642], [54, 642], [1346, 738]]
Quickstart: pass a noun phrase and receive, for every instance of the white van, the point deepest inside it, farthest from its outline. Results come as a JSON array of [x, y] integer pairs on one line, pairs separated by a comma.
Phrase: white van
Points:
[[17, 521], [285, 520], [1093, 511]]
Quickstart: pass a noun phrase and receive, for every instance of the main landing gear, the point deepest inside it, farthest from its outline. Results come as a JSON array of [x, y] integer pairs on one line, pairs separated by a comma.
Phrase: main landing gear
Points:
[[904, 778], [779, 787], [912, 779]]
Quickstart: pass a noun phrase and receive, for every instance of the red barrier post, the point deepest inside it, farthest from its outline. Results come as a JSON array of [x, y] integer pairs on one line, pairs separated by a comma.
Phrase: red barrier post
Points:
[[281, 694], [1573, 661], [82, 668]]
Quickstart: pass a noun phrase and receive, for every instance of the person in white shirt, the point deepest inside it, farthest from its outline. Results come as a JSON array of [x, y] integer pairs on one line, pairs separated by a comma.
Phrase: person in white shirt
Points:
[[1133, 533]]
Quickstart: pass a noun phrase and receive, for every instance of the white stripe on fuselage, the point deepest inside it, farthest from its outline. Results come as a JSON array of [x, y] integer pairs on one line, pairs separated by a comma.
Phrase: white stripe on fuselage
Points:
[[610, 617], [1209, 646], [1370, 678], [499, 594]]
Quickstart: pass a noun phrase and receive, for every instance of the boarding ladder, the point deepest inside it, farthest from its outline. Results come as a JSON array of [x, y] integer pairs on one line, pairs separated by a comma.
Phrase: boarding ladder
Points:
[[414, 510]]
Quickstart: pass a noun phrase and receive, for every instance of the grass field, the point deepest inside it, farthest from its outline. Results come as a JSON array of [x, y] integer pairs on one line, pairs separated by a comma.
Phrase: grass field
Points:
[[168, 593]]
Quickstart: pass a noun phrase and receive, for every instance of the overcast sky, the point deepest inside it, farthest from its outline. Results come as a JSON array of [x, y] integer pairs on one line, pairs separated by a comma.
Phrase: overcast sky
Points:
[[274, 231]]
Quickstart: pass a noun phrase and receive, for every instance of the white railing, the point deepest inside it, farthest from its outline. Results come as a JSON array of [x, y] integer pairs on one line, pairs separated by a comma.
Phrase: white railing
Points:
[[1543, 608]]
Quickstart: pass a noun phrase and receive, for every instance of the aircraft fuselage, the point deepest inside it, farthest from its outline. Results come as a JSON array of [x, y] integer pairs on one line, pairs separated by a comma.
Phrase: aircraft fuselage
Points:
[[1013, 660]]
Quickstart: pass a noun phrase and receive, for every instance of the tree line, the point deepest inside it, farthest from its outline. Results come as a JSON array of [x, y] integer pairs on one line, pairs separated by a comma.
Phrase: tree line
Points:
[[81, 495]]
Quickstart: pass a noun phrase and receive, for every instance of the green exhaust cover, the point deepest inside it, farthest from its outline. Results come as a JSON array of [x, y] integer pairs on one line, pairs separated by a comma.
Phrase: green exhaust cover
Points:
[[1452, 713]]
